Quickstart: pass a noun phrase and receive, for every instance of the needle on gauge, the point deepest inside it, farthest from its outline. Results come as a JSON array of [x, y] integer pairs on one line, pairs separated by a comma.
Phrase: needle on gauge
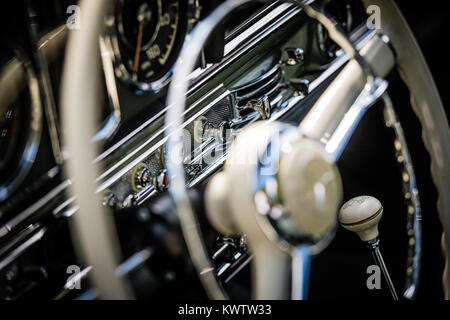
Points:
[[143, 17]]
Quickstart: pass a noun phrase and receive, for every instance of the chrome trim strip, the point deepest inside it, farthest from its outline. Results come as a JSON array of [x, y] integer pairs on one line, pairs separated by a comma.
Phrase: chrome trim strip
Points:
[[24, 234], [209, 170], [149, 122], [22, 248], [63, 205], [241, 266], [145, 194], [111, 124], [243, 37], [133, 262], [252, 20], [412, 200], [14, 222], [43, 76], [268, 75], [253, 35], [148, 152]]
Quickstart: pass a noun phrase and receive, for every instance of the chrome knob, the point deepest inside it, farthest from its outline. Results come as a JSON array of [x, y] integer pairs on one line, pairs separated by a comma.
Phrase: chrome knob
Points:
[[140, 177], [296, 56]]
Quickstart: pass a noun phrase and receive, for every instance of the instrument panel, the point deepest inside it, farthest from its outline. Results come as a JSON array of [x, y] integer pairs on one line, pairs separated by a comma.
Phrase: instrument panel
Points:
[[146, 37], [139, 47]]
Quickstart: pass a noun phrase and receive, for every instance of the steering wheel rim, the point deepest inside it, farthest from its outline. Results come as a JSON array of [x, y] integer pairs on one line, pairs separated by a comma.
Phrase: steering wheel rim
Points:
[[431, 116]]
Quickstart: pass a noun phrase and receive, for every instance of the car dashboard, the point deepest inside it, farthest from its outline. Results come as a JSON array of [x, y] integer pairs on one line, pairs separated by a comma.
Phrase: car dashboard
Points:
[[269, 61]]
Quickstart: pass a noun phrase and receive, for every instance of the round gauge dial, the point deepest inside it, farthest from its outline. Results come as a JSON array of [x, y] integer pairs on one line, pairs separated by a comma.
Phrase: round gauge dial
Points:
[[9, 134], [146, 38], [20, 123]]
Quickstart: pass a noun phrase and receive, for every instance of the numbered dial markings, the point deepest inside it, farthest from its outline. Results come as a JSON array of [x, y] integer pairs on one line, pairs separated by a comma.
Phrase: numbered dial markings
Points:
[[147, 34]]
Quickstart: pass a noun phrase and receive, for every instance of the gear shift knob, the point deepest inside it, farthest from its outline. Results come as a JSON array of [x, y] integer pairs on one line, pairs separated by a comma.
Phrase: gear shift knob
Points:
[[362, 215]]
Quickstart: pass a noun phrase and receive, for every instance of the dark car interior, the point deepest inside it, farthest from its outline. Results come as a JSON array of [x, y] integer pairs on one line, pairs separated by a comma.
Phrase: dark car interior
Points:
[[123, 124]]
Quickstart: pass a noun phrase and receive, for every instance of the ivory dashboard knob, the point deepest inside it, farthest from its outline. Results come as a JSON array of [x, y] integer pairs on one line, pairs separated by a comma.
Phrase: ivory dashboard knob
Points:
[[362, 215]]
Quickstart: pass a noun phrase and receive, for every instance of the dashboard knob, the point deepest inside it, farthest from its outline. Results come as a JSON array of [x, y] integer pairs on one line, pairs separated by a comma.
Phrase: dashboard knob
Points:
[[296, 56], [140, 177]]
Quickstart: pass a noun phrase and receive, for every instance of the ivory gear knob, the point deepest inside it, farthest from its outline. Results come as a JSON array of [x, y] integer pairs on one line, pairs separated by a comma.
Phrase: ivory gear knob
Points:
[[362, 215]]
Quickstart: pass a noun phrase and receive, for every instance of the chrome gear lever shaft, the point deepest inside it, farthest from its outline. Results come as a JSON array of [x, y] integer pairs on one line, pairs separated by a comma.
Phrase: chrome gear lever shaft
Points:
[[376, 253]]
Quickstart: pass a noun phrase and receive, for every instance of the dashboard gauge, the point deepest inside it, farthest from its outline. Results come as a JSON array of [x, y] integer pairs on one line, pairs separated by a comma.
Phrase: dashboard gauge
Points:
[[20, 123], [146, 37], [9, 132]]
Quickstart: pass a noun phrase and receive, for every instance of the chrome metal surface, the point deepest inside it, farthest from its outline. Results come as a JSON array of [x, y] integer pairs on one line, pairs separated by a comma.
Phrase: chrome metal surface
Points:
[[22, 216], [301, 264], [375, 250], [141, 153], [22, 248], [111, 124], [271, 19], [296, 56], [45, 84], [338, 140], [412, 200]]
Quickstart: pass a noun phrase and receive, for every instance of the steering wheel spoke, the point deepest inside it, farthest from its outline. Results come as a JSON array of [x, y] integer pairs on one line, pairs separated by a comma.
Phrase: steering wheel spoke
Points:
[[337, 113]]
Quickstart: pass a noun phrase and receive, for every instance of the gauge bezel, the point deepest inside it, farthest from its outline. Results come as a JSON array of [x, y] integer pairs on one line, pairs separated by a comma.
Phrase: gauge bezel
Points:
[[111, 39], [33, 138]]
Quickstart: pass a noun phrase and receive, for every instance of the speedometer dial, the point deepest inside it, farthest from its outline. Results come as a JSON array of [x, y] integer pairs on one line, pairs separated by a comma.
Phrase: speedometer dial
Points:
[[20, 122], [146, 37]]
